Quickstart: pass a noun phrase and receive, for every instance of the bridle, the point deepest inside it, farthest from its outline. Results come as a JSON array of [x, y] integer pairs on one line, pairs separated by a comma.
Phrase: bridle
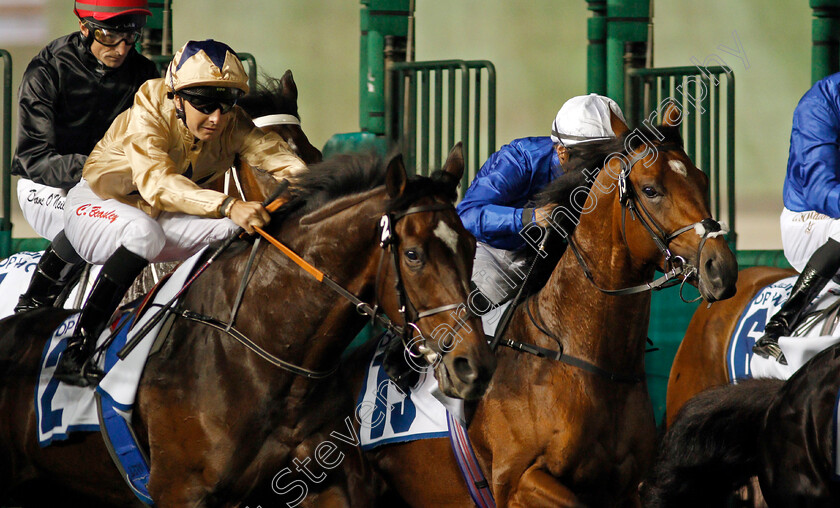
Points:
[[674, 266], [389, 242]]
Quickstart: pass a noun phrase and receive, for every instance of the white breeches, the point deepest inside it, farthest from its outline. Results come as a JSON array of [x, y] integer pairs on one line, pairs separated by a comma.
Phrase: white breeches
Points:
[[42, 207], [98, 227], [805, 232]]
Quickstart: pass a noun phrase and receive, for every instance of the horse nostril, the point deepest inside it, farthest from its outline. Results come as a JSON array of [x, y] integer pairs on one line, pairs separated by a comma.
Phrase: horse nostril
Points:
[[711, 269], [464, 370]]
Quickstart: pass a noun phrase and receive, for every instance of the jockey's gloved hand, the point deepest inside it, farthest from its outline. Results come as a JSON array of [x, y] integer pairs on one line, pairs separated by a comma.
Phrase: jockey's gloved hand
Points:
[[248, 214], [541, 215]]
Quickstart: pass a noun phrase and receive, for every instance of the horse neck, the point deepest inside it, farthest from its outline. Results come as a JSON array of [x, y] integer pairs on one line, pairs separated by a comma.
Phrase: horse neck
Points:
[[290, 314], [609, 330]]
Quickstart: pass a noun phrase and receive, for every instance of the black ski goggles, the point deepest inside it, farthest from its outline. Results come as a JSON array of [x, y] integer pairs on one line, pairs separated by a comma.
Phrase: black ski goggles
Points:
[[110, 38]]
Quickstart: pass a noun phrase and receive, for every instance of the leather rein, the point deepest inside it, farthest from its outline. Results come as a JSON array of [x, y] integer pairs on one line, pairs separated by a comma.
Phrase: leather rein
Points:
[[389, 241], [674, 267]]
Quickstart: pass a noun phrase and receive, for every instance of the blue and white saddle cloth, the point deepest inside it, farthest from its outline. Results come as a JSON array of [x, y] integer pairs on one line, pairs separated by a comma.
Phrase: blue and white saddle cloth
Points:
[[808, 340], [62, 408], [16, 272], [387, 415]]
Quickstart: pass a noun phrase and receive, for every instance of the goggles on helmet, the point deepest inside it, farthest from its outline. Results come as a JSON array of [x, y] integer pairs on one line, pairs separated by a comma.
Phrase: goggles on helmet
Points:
[[110, 38]]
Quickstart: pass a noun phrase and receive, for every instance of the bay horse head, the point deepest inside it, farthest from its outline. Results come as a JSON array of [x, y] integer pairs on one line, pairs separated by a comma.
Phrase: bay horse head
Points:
[[659, 204]]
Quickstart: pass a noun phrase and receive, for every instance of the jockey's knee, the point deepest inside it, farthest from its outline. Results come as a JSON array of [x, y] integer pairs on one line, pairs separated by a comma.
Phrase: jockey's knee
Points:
[[142, 237]]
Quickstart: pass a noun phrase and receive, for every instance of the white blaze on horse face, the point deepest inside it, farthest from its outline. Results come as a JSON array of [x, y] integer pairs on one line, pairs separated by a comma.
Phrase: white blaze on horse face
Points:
[[678, 167], [447, 235]]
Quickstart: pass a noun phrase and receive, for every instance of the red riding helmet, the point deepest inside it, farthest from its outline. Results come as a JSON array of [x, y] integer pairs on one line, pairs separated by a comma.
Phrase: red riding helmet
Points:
[[101, 10]]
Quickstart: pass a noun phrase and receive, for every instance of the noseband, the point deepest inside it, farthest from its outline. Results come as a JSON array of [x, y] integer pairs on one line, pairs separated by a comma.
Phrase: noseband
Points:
[[389, 240], [673, 266]]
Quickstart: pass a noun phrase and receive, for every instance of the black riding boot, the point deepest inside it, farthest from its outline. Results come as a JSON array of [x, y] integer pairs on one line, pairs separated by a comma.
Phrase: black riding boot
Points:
[[819, 270], [57, 272], [116, 277]]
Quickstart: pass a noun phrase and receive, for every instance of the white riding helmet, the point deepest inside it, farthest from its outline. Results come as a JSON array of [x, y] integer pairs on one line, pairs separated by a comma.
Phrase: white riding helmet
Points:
[[207, 64], [584, 118]]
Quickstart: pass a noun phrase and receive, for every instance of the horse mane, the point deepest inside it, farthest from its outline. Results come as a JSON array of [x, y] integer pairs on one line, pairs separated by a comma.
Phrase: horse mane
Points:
[[585, 162], [346, 174], [268, 99], [711, 448]]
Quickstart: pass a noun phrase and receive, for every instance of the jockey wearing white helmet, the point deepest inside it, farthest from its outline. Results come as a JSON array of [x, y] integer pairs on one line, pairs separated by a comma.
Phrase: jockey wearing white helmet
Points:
[[496, 207], [142, 198]]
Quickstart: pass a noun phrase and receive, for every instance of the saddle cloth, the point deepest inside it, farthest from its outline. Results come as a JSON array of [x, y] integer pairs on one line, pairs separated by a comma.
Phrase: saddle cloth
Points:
[[15, 274], [812, 335], [387, 415], [61, 408]]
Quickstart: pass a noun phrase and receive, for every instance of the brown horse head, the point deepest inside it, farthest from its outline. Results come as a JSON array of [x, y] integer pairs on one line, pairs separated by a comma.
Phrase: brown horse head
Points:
[[667, 195], [445, 335]]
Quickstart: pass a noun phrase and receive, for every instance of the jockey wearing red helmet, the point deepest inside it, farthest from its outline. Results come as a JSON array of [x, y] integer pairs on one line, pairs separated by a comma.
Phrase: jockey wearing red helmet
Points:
[[69, 95]]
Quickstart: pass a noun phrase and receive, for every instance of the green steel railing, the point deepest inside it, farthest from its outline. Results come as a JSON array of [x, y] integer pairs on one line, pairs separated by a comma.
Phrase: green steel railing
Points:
[[825, 38], [6, 155], [162, 61], [457, 102], [708, 106]]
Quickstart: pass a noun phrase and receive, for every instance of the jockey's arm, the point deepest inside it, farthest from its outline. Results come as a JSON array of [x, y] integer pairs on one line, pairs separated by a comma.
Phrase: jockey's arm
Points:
[[36, 153], [490, 209], [814, 140]]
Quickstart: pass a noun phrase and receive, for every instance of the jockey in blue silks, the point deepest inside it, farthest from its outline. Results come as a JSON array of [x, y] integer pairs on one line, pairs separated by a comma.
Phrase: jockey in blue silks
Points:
[[809, 221], [496, 206]]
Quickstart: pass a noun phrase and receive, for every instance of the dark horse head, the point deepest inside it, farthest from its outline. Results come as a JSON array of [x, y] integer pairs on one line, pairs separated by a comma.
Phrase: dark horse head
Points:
[[274, 106], [420, 276]]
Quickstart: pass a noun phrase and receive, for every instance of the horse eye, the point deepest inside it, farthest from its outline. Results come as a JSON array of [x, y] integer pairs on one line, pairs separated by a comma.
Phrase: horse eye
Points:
[[412, 255], [649, 191]]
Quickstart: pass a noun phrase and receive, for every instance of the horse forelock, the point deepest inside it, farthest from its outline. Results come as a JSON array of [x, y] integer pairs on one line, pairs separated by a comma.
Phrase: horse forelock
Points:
[[268, 99]]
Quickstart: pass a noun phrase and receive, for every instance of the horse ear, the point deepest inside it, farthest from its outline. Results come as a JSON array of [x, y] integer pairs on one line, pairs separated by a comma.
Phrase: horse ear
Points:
[[395, 177], [453, 168], [289, 88], [619, 128], [672, 116]]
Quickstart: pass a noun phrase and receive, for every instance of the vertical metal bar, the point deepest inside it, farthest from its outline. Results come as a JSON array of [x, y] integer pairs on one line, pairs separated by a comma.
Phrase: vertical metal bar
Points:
[[399, 84], [705, 145], [438, 151], [664, 91], [491, 114], [476, 92], [730, 155], [6, 154], [689, 116], [717, 139], [425, 110], [451, 106], [411, 124], [465, 119]]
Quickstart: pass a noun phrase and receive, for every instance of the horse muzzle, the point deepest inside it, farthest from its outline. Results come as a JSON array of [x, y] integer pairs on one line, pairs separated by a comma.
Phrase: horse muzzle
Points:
[[718, 271]]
